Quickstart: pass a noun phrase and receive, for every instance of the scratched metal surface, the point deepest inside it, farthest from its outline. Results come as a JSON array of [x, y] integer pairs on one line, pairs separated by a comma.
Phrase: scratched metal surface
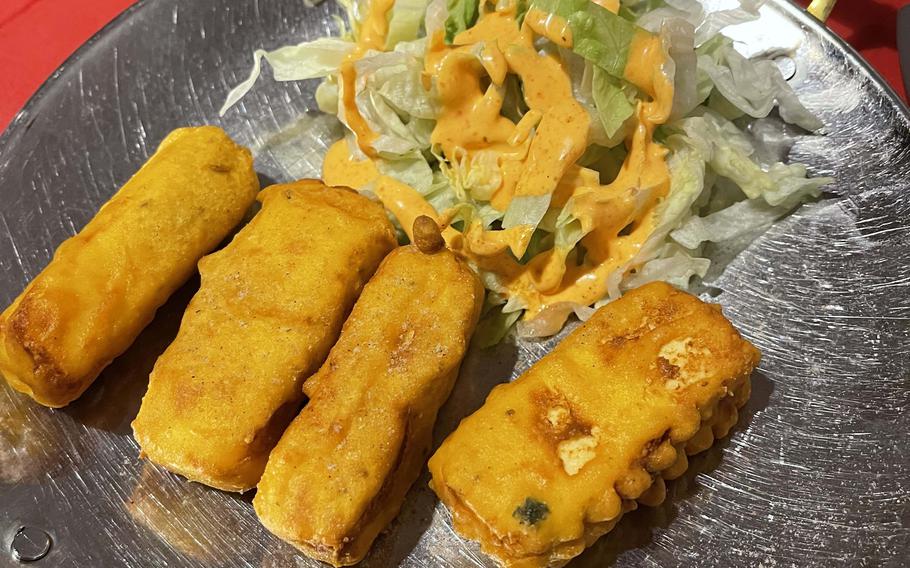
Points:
[[817, 473]]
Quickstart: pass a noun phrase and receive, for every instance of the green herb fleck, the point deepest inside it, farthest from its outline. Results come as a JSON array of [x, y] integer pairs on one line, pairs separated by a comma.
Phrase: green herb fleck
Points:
[[531, 512]]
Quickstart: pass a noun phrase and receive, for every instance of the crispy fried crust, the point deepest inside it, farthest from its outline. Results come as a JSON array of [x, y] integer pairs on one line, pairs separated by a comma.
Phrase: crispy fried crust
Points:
[[552, 460], [341, 470], [270, 306], [104, 284]]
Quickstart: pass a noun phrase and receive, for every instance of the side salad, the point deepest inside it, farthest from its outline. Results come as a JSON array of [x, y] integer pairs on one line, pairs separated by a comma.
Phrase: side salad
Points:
[[569, 149]]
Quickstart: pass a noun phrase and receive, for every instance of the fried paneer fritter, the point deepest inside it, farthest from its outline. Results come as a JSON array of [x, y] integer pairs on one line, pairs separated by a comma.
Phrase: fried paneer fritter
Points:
[[341, 470], [270, 306], [105, 283], [552, 460]]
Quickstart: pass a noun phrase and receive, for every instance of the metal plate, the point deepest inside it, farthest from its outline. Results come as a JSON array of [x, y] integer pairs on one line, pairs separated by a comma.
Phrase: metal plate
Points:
[[816, 473]]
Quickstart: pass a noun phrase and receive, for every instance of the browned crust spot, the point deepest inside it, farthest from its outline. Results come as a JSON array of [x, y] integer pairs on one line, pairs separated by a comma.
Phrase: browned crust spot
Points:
[[45, 367], [666, 369], [556, 418]]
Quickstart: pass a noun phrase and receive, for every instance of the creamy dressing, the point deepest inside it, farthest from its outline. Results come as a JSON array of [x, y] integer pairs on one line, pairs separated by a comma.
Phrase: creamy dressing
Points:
[[341, 168], [536, 157], [373, 31]]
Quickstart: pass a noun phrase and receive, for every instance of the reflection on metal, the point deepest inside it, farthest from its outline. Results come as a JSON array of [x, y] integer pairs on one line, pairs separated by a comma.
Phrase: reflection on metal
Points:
[[29, 447], [183, 515], [817, 472]]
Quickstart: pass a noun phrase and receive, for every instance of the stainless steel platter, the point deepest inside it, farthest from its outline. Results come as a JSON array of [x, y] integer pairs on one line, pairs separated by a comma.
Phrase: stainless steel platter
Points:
[[817, 472]]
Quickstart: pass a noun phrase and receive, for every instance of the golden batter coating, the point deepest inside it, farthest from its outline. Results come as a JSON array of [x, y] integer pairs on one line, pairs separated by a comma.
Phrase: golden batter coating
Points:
[[553, 459], [105, 283], [269, 308], [341, 470]]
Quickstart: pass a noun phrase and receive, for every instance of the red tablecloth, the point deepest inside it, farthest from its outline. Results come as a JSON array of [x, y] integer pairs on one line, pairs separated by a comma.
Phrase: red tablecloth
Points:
[[37, 35]]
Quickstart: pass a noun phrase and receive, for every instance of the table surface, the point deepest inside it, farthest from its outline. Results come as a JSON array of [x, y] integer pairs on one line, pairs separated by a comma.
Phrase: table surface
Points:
[[36, 36]]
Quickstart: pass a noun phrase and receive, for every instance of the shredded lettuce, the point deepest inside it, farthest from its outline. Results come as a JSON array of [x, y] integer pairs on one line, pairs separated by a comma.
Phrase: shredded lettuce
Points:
[[614, 105], [727, 151], [435, 18], [405, 21], [441, 196], [680, 38], [327, 96], [393, 102], [672, 264], [598, 35], [494, 326], [741, 218], [606, 123], [308, 60], [461, 15], [411, 169], [754, 87], [707, 24], [719, 195], [354, 11], [476, 177], [602, 39], [526, 210]]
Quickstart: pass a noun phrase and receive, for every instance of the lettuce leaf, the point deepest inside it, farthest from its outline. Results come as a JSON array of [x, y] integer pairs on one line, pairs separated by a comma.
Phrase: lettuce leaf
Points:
[[713, 22], [526, 210], [581, 73], [614, 105], [741, 218], [440, 194], [462, 15], [707, 24], [354, 10], [753, 87], [729, 152], [680, 38], [747, 199], [477, 177], [598, 35], [435, 18], [720, 194], [308, 60], [602, 39], [391, 99], [673, 265], [493, 326], [410, 169], [404, 22]]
